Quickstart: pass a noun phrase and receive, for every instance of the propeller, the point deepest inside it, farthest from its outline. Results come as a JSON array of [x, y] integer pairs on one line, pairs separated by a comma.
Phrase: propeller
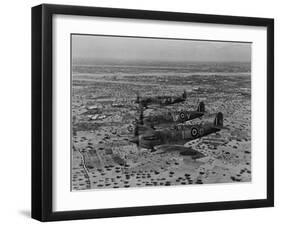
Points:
[[141, 115], [136, 136], [136, 131]]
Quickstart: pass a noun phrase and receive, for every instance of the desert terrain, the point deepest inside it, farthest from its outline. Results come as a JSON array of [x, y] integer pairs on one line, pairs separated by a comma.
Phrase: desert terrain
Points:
[[104, 111]]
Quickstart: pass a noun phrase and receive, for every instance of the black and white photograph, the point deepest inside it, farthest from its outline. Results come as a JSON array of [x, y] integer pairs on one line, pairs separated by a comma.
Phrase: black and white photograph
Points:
[[149, 111]]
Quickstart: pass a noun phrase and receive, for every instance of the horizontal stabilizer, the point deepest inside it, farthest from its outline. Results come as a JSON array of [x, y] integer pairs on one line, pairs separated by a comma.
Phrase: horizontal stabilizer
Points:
[[221, 127]]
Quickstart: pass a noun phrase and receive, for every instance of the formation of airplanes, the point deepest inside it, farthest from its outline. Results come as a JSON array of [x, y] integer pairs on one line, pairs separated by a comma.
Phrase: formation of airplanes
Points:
[[172, 133]]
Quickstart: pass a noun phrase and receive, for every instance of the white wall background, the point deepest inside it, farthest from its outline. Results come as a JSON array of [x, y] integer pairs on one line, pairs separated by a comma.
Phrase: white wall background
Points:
[[15, 112]]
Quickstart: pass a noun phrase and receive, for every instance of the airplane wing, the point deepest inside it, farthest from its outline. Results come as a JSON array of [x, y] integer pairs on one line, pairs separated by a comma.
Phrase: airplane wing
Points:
[[185, 151]]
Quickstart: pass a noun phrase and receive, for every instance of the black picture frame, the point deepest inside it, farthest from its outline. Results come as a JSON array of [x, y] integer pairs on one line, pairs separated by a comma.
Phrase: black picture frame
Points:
[[42, 107]]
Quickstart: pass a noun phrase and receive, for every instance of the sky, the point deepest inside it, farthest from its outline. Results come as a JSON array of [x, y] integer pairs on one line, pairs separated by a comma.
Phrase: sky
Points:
[[113, 49]]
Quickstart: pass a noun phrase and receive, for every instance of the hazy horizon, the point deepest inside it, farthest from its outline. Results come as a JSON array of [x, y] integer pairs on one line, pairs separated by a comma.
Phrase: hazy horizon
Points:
[[115, 50]]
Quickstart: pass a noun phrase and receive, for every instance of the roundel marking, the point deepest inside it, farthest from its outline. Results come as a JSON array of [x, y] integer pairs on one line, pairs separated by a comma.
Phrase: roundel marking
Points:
[[182, 115], [194, 132]]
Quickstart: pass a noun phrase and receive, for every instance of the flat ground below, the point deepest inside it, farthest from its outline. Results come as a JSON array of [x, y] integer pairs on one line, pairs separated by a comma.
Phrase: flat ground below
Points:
[[103, 112]]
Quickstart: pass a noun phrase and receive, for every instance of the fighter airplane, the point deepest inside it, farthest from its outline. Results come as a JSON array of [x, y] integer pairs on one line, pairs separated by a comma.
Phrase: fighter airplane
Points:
[[173, 139], [171, 117], [160, 100]]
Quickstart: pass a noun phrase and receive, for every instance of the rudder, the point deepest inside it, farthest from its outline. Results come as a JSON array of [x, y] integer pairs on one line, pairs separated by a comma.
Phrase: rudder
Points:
[[201, 107], [218, 120]]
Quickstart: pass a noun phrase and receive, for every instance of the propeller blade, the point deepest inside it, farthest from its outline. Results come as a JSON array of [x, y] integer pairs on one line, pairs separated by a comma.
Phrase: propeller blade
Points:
[[136, 132], [141, 116]]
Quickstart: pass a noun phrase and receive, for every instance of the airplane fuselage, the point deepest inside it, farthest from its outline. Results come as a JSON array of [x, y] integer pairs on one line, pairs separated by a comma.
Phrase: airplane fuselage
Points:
[[161, 101], [171, 117], [179, 135]]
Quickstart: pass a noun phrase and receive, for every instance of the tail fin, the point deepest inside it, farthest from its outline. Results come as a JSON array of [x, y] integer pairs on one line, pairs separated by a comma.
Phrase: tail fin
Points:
[[218, 120], [184, 95], [201, 107]]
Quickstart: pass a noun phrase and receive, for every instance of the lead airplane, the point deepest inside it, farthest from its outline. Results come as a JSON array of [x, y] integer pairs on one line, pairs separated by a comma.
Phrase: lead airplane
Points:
[[160, 100], [170, 117], [174, 139]]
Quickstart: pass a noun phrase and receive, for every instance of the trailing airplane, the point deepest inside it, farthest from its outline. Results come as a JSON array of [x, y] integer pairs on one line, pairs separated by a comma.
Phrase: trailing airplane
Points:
[[173, 139], [160, 100], [170, 117]]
